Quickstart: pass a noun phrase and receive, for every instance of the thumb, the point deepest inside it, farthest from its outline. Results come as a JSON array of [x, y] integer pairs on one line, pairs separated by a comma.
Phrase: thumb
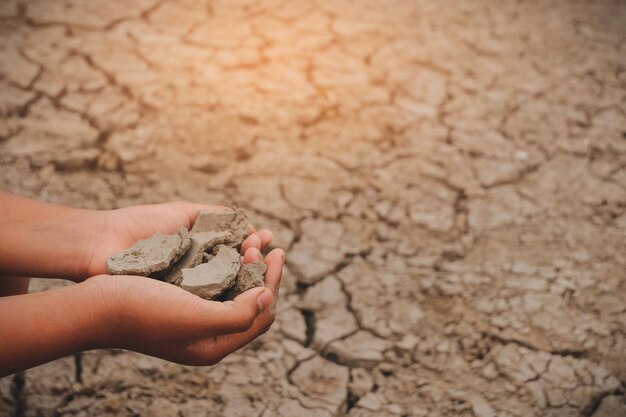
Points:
[[239, 314]]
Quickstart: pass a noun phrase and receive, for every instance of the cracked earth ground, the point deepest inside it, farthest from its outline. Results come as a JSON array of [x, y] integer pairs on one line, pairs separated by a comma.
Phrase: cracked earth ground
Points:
[[448, 178]]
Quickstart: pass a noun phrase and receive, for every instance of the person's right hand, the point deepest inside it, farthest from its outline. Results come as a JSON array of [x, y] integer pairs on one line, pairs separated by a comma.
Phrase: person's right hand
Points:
[[165, 321]]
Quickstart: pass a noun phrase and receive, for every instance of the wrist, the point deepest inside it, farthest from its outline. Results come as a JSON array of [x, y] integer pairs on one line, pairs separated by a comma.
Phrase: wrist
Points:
[[90, 231], [103, 314], [77, 233], [47, 240], [52, 324]]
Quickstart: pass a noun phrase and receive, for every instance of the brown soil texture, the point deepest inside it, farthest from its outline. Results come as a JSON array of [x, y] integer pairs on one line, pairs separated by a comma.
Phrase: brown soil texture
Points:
[[448, 179]]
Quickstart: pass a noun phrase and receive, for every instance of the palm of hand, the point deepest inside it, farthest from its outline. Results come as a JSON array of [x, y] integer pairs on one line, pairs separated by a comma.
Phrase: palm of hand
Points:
[[119, 229], [187, 328]]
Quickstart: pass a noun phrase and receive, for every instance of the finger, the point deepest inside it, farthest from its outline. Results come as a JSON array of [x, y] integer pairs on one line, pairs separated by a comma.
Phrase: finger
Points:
[[237, 315], [252, 241], [266, 237], [218, 347], [189, 316], [221, 346], [251, 255], [14, 285], [274, 260]]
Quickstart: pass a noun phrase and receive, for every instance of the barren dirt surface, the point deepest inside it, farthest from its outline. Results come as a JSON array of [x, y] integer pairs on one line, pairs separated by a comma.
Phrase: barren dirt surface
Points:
[[448, 178]]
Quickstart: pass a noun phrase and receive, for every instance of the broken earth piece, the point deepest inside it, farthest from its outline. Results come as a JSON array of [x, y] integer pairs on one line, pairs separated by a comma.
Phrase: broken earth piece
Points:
[[250, 276], [233, 221], [151, 255], [204, 261], [211, 279], [200, 243]]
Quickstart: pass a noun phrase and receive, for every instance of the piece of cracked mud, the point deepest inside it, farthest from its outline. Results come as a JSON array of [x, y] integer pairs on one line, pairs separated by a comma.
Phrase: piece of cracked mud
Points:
[[211, 279], [150, 256], [250, 275], [234, 221], [361, 349], [200, 243], [324, 382]]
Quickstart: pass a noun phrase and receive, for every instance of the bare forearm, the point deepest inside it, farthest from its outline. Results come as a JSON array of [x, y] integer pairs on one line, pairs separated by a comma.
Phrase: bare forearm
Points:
[[40, 327], [46, 240]]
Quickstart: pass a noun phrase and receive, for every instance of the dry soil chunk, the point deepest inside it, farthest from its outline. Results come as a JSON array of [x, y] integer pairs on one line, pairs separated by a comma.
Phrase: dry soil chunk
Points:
[[233, 221], [151, 255], [200, 242], [211, 279], [361, 349], [323, 381], [250, 275]]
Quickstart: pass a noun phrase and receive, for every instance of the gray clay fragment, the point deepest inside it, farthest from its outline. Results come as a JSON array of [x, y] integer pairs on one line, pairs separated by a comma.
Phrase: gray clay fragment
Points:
[[185, 244], [234, 221], [199, 243], [151, 255], [250, 275], [211, 279]]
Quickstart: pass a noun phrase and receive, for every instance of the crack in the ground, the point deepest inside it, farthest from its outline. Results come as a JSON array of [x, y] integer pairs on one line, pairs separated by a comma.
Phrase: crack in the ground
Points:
[[309, 320], [78, 367], [596, 400], [17, 391], [499, 79], [574, 353]]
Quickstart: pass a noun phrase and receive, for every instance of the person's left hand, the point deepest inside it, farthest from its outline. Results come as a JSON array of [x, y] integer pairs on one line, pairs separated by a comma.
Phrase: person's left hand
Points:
[[162, 320], [119, 229]]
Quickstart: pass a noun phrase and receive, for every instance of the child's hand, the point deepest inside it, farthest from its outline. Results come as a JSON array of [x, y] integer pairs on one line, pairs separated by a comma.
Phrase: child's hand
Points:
[[47, 240], [162, 320], [119, 229], [129, 312]]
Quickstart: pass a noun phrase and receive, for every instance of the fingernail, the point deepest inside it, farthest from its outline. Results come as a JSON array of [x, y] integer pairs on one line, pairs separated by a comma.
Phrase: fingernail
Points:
[[264, 300]]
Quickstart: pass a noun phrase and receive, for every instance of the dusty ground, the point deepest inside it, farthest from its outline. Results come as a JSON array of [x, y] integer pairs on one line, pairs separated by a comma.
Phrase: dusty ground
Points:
[[449, 179]]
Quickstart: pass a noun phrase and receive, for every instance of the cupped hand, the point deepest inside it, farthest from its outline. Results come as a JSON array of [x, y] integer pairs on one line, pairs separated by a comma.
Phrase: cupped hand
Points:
[[116, 230], [165, 321]]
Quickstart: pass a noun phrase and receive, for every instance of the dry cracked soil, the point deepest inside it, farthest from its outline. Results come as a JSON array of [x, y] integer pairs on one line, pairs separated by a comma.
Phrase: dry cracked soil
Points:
[[448, 178]]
